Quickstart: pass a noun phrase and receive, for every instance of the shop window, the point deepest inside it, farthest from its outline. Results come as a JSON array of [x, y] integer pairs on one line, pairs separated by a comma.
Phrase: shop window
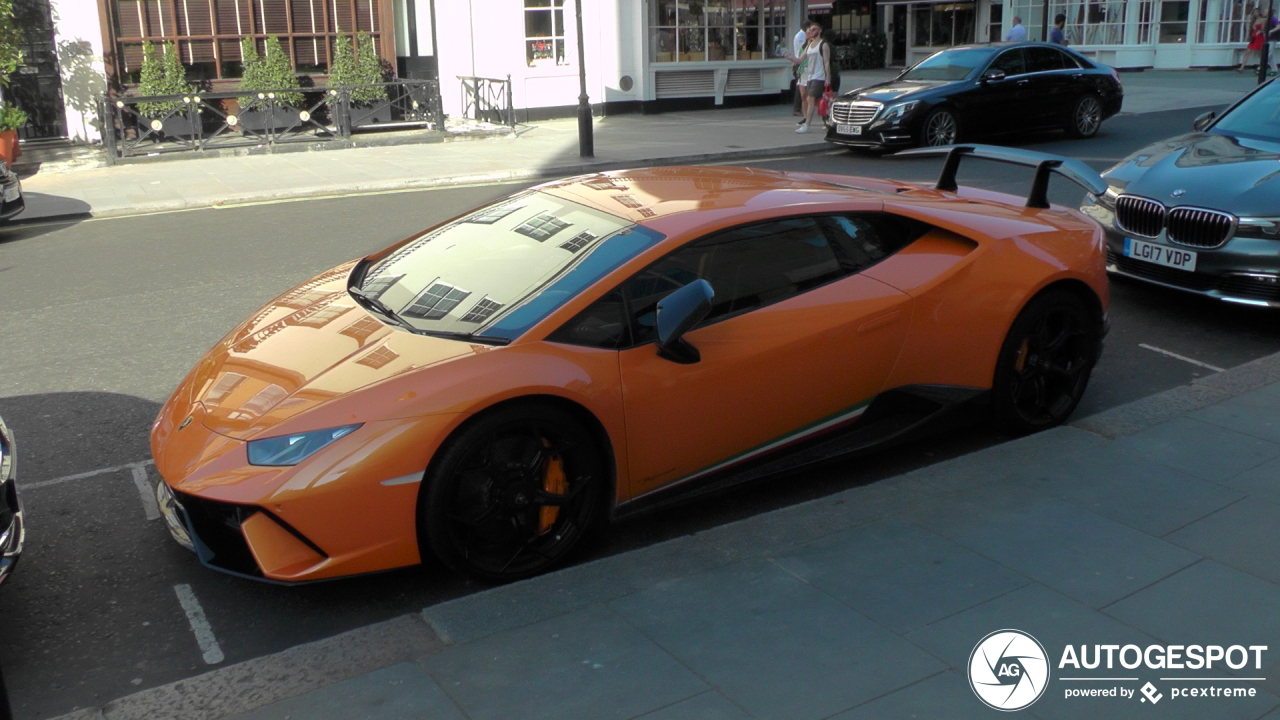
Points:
[[1173, 21], [943, 24], [544, 32], [995, 22], [717, 30]]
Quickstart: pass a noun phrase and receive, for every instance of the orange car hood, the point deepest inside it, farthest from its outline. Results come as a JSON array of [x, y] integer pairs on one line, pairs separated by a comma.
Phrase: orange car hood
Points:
[[300, 351]]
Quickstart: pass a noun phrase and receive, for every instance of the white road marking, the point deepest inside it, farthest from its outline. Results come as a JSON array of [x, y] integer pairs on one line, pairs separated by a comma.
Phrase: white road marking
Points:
[[83, 475], [199, 625], [1183, 358], [145, 491]]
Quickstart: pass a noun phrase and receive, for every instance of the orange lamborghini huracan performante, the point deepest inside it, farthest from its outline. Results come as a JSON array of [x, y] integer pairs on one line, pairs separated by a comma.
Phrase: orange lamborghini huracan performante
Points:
[[493, 389]]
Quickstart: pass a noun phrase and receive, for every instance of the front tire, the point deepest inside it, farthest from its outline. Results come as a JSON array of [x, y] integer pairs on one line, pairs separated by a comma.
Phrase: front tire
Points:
[[940, 127], [513, 493], [1045, 363], [1085, 118]]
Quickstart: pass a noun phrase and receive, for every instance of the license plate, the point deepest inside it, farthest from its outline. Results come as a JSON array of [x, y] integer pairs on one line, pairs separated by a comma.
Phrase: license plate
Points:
[[12, 193], [1160, 254], [849, 129]]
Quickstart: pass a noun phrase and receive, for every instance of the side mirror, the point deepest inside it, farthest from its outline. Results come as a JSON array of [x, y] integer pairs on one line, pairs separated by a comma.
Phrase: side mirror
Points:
[[993, 76], [1203, 121], [677, 313]]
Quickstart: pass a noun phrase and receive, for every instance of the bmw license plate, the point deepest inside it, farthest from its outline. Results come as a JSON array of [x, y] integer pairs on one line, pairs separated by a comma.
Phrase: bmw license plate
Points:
[[849, 129], [1160, 254], [11, 193]]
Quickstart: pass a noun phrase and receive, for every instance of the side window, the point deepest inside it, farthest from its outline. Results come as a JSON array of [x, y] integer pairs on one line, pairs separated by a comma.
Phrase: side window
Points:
[[1069, 61], [603, 324], [748, 268], [1010, 62], [864, 240], [1043, 59]]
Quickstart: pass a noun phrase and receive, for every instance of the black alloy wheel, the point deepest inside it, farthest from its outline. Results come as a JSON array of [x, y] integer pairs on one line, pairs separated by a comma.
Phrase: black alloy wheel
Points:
[[513, 493], [1086, 117], [1045, 363], [941, 127]]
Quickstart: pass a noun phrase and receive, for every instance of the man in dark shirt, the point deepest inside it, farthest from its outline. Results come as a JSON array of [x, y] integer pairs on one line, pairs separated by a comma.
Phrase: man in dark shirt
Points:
[[1056, 35]]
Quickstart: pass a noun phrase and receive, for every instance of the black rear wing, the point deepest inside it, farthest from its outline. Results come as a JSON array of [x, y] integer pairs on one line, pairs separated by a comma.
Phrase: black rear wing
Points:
[[1044, 163]]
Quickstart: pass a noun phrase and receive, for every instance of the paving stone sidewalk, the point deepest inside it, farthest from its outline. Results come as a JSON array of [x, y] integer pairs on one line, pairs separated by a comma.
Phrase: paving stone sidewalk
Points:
[[545, 149], [1151, 523]]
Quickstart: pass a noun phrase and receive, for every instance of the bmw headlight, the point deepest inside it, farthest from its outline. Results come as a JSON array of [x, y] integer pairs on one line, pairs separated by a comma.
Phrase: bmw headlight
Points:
[[1268, 227], [293, 449], [899, 111]]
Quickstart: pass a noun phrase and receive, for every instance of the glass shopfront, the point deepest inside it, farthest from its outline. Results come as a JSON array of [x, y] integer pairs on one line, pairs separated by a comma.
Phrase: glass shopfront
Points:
[[693, 31]]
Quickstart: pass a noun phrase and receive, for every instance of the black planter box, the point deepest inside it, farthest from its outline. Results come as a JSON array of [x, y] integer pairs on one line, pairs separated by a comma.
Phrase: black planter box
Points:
[[176, 126], [263, 120], [366, 116]]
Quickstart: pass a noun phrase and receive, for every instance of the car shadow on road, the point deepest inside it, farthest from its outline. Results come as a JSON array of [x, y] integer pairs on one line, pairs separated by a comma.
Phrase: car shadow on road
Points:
[[43, 214]]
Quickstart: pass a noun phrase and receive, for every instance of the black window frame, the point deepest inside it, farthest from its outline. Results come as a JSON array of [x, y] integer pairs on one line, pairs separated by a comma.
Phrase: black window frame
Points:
[[909, 229]]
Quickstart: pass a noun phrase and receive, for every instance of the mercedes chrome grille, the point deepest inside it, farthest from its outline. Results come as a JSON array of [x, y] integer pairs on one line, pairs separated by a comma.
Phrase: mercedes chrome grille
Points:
[[859, 112], [1139, 216], [1195, 227]]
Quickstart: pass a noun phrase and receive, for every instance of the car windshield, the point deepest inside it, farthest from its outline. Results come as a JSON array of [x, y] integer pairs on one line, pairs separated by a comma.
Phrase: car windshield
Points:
[[1257, 117], [949, 65], [466, 276]]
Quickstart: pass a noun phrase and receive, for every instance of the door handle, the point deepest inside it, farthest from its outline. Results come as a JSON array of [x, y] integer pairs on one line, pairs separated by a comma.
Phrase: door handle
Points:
[[1023, 82]]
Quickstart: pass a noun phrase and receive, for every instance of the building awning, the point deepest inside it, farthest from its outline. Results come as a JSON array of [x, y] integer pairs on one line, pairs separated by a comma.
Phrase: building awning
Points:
[[924, 2], [819, 8]]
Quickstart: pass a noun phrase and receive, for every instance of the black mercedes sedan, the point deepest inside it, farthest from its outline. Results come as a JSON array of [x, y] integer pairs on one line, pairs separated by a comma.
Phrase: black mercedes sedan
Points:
[[1201, 212], [969, 91]]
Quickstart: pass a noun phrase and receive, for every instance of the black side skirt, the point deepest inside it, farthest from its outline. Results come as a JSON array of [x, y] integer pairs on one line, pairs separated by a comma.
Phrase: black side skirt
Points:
[[892, 417]]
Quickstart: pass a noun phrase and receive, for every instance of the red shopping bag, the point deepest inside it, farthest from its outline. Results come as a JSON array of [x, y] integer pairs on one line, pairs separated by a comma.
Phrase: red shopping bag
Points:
[[824, 103]]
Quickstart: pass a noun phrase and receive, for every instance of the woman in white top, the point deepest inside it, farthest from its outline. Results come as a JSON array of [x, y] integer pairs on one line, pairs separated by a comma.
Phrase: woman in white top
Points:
[[815, 68]]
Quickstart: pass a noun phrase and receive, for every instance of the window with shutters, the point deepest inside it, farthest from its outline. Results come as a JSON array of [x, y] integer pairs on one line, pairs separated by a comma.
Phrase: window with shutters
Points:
[[208, 32]]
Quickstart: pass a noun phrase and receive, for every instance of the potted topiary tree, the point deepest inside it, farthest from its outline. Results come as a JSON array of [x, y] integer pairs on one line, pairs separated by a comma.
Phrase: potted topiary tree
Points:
[[369, 96], [165, 76], [11, 120], [268, 77], [360, 73]]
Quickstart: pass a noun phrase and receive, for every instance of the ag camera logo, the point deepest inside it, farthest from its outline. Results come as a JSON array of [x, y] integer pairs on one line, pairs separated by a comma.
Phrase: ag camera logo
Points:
[[1008, 670]]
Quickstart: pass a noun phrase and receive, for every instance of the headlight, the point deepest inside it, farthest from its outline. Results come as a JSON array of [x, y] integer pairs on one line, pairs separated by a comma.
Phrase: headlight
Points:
[[894, 112], [293, 449], [1266, 226], [1108, 198]]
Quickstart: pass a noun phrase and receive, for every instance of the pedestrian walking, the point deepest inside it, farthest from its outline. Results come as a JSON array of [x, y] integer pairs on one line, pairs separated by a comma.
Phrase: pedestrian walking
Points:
[[1257, 36], [1057, 35], [797, 47], [1273, 35], [815, 70], [1017, 33]]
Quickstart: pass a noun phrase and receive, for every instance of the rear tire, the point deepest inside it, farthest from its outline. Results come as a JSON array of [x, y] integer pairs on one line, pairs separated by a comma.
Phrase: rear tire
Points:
[[513, 493], [1085, 118], [1045, 363]]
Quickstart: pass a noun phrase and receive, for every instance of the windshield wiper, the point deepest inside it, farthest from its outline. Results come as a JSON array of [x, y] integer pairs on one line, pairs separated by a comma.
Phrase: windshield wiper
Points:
[[376, 305]]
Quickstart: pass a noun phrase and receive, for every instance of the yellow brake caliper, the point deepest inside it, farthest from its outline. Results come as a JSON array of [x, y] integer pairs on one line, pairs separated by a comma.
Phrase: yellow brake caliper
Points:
[[553, 482]]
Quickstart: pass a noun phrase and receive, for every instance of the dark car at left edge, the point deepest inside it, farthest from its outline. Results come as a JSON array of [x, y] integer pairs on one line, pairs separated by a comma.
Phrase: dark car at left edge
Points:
[[961, 93]]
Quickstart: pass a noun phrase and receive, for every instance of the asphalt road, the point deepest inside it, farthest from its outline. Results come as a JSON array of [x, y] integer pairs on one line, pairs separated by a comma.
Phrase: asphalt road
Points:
[[100, 320]]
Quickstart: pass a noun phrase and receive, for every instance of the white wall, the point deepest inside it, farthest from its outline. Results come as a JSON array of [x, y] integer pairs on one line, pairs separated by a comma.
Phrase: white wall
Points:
[[77, 33], [485, 38]]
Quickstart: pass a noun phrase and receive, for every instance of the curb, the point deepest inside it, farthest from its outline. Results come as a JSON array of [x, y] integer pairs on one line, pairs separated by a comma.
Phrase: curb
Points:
[[1138, 415], [376, 187]]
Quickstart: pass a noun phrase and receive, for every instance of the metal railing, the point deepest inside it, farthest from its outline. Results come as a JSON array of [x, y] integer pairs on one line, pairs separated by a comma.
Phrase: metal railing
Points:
[[206, 122], [488, 100]]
